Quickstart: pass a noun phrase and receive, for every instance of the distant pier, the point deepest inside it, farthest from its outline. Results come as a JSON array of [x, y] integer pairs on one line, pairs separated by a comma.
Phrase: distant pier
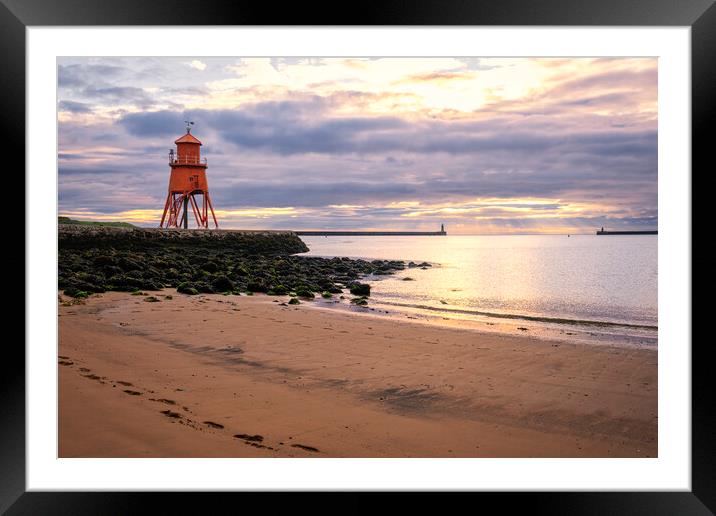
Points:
[[603, 232], [370, 233]]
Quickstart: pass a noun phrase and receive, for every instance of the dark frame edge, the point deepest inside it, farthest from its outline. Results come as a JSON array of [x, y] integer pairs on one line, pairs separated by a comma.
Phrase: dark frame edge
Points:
[[12, 381], [380, 12], [701, 500], [703, 87]]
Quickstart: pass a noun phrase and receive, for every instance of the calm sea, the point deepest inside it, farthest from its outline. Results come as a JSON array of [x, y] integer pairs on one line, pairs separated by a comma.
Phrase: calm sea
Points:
[[582, 287]]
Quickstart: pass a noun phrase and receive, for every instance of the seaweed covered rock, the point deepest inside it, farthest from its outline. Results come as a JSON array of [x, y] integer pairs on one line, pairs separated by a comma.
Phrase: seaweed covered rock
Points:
[[127, 283], [129, 264], [105, 259], [305, 293], [80, 282], [359, 289], [95, 259], [210, 267], [256, 285], [204, 288], [187, 288], [222, 284], [76, 293]]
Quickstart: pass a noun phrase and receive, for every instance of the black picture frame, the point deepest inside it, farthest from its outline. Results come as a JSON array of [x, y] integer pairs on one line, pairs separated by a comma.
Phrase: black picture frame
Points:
[[16, 15]]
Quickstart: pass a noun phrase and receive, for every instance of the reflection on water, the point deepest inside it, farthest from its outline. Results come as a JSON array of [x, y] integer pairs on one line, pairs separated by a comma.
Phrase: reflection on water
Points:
[[554, 280]]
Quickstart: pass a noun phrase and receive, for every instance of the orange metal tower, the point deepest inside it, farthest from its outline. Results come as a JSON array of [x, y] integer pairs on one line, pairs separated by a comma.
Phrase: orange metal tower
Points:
[[187, 181]]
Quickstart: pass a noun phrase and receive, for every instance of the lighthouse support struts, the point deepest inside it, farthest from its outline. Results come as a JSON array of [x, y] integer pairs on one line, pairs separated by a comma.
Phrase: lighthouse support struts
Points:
[[176, 211]]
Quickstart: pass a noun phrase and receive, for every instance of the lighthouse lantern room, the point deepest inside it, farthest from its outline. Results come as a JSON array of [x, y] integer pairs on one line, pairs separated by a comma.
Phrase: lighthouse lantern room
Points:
[[188, 187]]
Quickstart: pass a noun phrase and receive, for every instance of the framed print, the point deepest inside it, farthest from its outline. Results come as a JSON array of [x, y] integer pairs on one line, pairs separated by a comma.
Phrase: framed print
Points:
[[444, 248]]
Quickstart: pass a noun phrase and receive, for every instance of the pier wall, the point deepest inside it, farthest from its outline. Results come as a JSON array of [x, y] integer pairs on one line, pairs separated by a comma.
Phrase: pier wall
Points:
[[370, 233], [627, 232], [72, 236]]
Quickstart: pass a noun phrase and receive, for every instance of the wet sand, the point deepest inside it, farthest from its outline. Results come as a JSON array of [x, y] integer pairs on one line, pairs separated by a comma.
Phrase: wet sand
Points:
[[229, 376]]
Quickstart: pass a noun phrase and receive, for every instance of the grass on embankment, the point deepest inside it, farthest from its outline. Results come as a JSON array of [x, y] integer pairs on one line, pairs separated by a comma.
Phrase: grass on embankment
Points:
[[67, 220]]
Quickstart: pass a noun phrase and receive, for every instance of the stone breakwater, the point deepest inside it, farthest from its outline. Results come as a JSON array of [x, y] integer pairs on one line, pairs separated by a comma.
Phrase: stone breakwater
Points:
[[244, 242], [98, 259]]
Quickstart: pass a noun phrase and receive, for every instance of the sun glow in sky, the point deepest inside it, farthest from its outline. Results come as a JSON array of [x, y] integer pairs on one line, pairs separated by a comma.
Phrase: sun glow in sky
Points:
[[482, 145]]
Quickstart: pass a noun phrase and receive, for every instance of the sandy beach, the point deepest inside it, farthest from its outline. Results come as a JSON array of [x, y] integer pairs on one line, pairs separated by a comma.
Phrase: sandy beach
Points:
[[243, 376]]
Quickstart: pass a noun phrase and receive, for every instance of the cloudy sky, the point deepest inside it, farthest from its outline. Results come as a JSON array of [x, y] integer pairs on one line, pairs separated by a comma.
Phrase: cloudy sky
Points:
[[483, 145]]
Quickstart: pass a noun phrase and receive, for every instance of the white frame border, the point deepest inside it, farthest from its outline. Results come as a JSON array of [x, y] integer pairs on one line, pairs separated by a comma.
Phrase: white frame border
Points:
[[670, 471]]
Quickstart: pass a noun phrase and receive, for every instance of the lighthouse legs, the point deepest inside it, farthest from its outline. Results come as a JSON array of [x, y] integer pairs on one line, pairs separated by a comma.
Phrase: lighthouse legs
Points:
[[166, 207], [195, 209], [207, 200], [172, 210], [176, 211]]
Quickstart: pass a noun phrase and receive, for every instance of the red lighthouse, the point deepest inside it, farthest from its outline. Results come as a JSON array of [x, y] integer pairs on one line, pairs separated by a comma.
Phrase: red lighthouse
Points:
[[187, 181]]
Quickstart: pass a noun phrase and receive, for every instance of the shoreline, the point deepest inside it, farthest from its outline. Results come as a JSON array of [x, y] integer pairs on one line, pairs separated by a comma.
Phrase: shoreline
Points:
[[584, 334], [222, 376]]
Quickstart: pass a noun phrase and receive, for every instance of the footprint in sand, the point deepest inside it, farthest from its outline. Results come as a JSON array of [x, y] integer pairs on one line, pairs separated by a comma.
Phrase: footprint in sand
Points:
[[256, 445], [211, 424], [304, 447], [133, 393], [65, 362], [126, 384], [252, 438], [169, 413]]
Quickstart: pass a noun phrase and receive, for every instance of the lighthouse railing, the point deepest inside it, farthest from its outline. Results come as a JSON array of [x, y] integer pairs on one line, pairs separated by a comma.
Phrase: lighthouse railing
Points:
[[187, 160]]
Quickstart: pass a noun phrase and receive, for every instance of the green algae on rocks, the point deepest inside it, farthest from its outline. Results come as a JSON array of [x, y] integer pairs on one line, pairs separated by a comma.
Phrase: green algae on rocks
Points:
[[100, 258]]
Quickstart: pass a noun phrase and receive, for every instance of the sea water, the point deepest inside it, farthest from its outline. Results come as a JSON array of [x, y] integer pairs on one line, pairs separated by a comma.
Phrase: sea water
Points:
[[581, 287]]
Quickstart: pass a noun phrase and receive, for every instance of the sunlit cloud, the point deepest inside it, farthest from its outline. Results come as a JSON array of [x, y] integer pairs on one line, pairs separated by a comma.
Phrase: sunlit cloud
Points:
[[515, 209], [197, 65], [139, 216]]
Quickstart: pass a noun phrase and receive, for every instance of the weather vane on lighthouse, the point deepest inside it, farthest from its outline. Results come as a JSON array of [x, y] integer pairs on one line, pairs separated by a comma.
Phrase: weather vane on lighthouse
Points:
[[187, 182]]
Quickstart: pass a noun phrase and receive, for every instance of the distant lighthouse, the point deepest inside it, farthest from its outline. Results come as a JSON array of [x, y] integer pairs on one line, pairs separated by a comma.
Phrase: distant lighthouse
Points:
[[188, 187]]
